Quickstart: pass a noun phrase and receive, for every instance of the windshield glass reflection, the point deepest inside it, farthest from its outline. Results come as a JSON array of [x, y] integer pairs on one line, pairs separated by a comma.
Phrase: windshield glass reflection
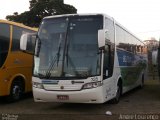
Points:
[[69, 48]]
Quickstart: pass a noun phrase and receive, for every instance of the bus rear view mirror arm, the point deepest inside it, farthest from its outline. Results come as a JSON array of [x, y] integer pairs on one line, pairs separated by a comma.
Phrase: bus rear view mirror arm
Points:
[[37, 46]]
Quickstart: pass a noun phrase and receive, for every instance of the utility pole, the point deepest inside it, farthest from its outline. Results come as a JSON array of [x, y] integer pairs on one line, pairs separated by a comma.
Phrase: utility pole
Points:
[[158, 59]]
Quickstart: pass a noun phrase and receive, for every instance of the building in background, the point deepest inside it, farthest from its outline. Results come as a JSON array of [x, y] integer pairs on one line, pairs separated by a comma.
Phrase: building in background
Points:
[[152, 47], [152, 44]]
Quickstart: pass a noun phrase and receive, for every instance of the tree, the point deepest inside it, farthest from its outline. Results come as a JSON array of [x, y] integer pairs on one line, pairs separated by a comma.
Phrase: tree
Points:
[[40, 9]]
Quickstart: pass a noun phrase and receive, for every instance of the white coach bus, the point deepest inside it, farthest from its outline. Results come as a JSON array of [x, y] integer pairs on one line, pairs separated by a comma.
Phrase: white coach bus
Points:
[[85, 59]]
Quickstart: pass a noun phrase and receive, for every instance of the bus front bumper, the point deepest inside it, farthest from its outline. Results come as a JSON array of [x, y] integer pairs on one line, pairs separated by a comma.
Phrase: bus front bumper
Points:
[[94, 95]]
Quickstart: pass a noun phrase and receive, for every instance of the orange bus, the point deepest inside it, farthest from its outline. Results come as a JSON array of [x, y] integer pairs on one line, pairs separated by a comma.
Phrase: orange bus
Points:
[[15, 65]]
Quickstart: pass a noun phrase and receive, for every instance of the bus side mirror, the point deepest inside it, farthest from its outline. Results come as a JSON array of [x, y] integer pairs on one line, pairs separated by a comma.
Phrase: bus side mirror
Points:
[[101, 38], [27, 42], [23, 42]]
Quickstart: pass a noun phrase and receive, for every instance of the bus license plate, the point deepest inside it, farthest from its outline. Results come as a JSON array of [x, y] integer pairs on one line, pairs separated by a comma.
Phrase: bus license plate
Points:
[[62, 97]]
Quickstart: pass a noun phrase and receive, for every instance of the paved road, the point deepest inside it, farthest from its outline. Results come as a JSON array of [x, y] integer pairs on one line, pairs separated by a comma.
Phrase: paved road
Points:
[[137, 103]]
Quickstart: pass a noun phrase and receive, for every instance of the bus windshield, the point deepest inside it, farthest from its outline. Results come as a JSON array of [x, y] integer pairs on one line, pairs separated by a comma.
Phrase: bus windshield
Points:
[[69, 47]]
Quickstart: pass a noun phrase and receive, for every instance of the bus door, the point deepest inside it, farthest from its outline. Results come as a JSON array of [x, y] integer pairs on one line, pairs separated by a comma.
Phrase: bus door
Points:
[[107, 72]]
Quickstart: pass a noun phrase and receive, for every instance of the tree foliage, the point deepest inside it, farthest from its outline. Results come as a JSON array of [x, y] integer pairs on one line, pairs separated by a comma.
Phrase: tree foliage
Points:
[[40, 9]]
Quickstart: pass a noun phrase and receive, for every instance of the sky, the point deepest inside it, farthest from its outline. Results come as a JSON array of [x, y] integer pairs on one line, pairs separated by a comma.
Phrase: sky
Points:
[[8, 7], [141, 17]]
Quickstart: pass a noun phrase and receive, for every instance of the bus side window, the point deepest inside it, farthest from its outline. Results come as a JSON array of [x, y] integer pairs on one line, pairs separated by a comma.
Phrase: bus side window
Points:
[[4, 42], [107, 58]]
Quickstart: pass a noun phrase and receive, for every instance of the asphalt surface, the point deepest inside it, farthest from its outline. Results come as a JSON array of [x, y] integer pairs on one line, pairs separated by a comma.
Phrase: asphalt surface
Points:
[[139, 104]]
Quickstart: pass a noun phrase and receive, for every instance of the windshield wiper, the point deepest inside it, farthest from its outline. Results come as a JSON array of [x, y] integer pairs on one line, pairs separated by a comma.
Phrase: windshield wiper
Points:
[[48, 73], [56, 58], [41, 75], [67, 57]]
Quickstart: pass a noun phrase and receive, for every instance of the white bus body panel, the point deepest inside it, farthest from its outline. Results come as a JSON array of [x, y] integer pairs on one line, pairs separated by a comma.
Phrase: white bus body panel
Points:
[[84, 96], [74, 92]]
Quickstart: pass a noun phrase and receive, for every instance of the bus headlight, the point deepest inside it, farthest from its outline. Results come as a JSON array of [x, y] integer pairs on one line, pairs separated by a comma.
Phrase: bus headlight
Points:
[[38, 85], [92, 85]]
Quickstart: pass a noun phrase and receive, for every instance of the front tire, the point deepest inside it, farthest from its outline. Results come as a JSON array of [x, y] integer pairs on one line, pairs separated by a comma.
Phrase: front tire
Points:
[[118, 94], [15, 91]]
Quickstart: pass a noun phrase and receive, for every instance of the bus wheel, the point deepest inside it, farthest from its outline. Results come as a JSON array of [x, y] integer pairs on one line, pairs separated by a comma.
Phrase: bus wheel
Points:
[[118, 94], [16, 91]]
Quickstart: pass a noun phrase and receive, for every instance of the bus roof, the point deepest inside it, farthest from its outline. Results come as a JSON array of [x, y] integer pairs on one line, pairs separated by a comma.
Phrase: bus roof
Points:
[[67, 15], [18, 24], [129, 32], [105, 15]]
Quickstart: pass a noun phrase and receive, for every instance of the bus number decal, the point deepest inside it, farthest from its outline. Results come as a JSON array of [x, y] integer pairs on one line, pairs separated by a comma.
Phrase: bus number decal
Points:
[[94, 79]]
